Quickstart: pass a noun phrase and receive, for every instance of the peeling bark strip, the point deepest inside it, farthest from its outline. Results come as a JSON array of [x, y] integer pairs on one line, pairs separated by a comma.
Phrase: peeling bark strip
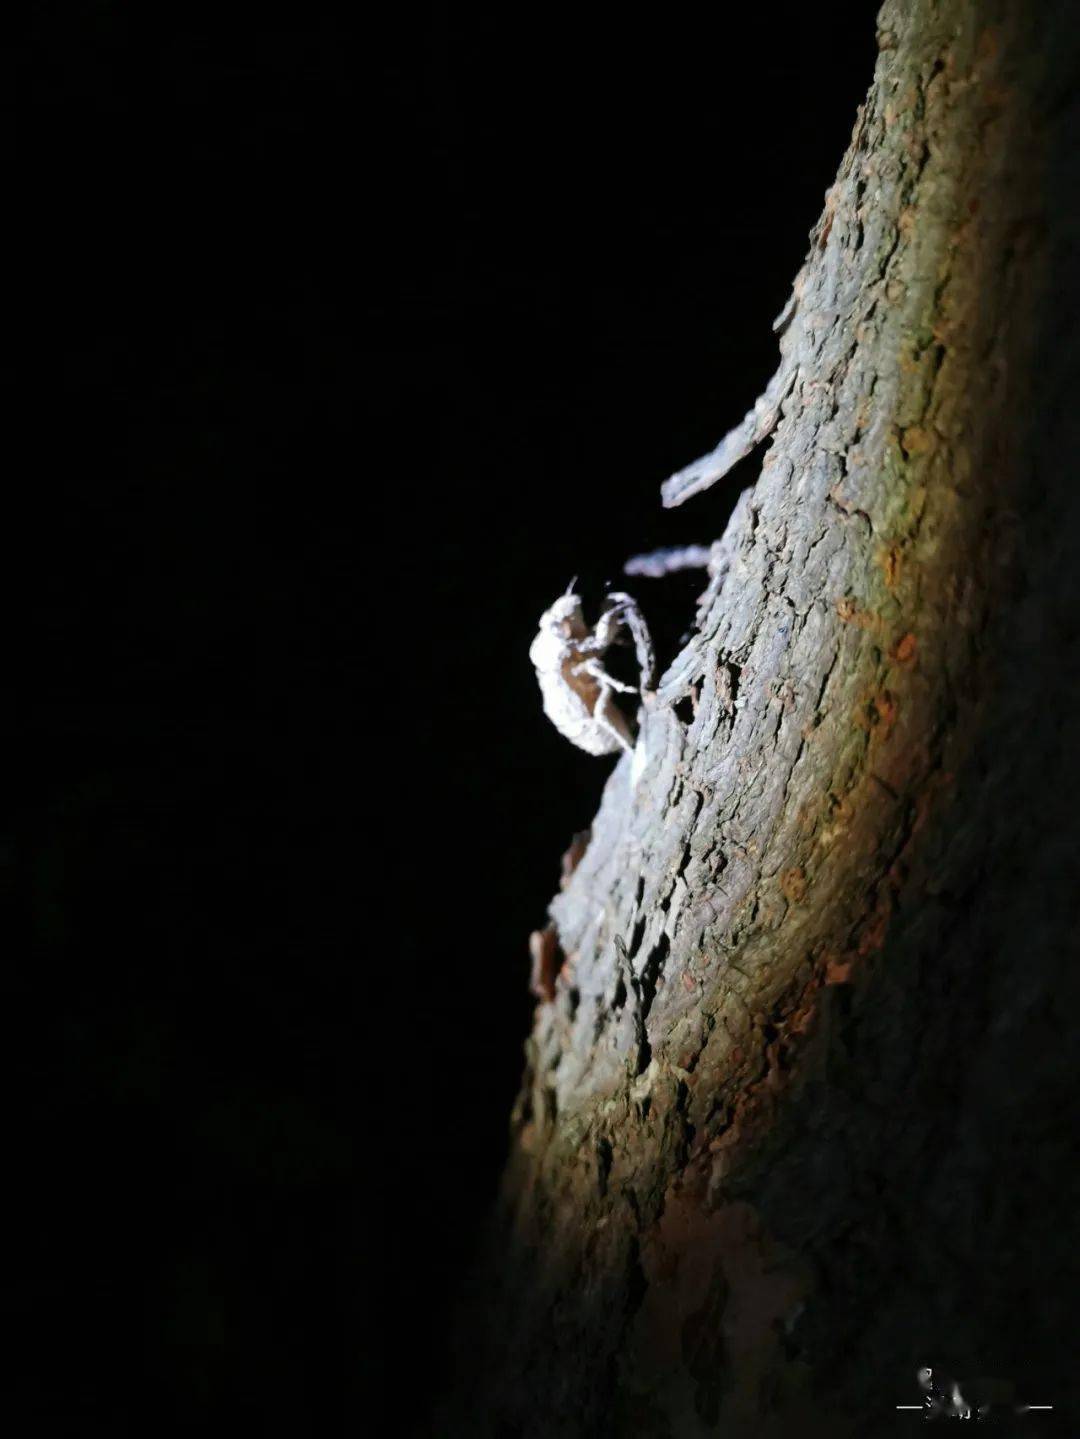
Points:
[[755, 1160]]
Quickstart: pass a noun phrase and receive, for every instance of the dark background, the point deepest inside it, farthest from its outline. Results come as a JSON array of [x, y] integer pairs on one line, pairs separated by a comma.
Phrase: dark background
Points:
[[332, 354]]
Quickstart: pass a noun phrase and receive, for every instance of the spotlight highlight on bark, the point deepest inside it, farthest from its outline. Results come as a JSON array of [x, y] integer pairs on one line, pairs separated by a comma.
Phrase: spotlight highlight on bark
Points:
[[801, 1119]]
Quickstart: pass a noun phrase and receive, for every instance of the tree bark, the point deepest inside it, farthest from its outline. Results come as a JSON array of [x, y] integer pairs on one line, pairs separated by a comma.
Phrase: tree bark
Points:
[[798, 1116]]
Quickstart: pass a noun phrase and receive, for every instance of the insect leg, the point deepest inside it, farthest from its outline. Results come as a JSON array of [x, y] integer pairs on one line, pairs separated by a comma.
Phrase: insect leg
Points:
[[594, 668], [610, 718], [627, 608], [603, 636]]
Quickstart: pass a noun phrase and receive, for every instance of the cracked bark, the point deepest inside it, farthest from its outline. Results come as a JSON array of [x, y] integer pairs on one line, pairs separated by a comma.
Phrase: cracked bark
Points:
[[797, 1114]]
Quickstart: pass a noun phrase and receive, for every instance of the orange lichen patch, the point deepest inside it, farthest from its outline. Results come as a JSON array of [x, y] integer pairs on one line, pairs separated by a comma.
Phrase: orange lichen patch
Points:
[[904, 649], [876, 714], [546, 962], [850, 613], [688, 981], [943, 330], [838, 971], [839, 814], [916, 440], [987, 45], [684, 1061], [781, 1035], [910, 360], [793, 884], [885, 708], [890, 560], [802, 1018]]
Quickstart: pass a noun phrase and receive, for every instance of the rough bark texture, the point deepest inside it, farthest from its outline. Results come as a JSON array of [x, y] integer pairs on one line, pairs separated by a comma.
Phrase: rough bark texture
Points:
[[799, 1114]]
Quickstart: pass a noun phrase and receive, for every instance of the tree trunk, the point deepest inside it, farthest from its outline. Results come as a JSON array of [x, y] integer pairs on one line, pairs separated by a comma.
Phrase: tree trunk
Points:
[[798, 1115]]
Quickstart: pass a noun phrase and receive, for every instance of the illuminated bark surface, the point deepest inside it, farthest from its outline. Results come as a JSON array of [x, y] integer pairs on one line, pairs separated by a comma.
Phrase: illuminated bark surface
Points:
[[799, 1115]]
